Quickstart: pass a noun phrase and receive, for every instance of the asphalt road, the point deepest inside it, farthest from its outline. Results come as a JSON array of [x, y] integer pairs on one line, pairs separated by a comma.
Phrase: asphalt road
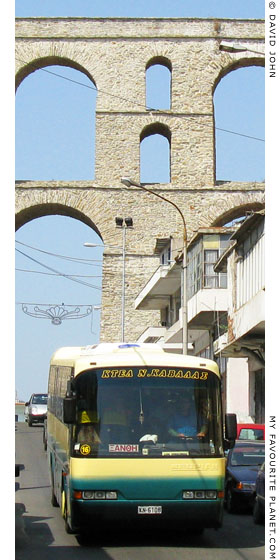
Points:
[[40, 533]]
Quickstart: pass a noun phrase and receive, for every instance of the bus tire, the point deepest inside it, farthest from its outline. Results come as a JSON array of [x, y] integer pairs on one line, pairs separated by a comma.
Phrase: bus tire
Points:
[[29, 422], [54, 501], [64, 513]]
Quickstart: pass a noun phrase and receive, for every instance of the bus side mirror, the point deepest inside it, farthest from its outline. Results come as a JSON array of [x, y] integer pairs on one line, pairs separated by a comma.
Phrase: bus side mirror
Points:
[[69, 410], [230, 430]]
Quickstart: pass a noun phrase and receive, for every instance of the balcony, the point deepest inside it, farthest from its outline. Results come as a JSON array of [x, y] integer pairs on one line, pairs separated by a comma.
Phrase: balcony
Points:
[[246, 328], [204, 305], [164, 283]]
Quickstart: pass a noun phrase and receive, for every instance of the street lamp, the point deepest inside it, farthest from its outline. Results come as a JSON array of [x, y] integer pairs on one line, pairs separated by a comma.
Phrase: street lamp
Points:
[[236, 47], [128, 183], [122, 223]]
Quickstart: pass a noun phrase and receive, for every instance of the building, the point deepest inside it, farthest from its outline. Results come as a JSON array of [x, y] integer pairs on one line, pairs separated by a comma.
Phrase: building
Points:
[[244, 337], [223, 322], [19, 411]]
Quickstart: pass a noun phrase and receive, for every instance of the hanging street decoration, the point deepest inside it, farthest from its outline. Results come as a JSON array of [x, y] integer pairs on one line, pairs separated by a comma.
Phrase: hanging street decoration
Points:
[[58, 313]]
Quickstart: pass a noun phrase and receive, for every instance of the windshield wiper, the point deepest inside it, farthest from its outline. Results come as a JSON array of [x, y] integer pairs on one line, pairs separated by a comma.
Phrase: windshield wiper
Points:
[[141, 415]]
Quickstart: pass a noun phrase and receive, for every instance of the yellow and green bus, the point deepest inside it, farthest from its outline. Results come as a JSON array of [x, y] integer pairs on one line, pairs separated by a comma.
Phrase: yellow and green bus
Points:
[[134, 432]]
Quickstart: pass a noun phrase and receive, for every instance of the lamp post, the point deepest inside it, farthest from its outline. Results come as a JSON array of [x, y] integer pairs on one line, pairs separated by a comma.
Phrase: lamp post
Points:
[[122, 223], [237, 47], [128, 183]]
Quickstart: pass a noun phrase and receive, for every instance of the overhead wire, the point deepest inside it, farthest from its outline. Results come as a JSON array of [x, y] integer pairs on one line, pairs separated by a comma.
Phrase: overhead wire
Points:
[[151, 109], [95, 306], [57, 274], [89, 262], [65, 257], [68, 276]]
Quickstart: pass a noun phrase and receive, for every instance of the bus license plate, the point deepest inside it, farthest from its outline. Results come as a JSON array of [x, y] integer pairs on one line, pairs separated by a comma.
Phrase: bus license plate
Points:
[[150, 510]]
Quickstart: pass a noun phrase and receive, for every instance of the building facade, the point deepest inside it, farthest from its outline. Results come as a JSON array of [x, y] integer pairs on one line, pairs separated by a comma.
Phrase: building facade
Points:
[[226, 319], [244, 337]]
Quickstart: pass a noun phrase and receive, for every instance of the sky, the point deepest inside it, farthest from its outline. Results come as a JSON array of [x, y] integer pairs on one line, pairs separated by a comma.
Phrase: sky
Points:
[[141, 8], [43, 244]]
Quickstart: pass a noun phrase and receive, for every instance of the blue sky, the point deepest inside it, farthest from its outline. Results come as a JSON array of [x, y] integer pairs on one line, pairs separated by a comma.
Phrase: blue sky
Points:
[[141, 8], [69, 155]]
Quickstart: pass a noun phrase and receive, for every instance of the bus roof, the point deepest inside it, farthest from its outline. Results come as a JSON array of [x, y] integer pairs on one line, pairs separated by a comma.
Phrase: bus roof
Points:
[[108, 354]]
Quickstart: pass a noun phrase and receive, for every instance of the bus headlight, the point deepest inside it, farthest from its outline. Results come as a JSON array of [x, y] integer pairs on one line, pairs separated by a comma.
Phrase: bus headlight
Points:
[[211, 494], [111, 496], [199, 494], [99, 495], [188, 495], [88, 495]]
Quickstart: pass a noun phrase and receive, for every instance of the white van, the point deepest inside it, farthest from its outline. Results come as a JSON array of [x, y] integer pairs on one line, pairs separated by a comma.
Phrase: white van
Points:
[[36, 408]]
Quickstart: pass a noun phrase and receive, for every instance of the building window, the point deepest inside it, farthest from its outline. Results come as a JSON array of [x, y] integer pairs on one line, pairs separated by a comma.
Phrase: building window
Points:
[[165, 257], [201, 274], [202, 256], [195, 270], [211, 279]]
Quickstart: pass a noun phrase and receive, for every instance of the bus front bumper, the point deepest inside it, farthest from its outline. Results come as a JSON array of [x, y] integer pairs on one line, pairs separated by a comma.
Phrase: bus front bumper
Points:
[[194, 514]]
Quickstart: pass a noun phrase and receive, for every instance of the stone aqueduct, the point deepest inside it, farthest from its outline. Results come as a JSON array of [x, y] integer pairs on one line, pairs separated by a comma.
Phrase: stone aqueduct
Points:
[[115, 53]]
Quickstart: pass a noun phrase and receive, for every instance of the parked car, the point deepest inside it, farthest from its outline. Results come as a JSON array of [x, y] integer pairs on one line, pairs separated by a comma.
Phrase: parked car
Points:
[[251, 431], [259, 505], [243, 463], [36, 408]]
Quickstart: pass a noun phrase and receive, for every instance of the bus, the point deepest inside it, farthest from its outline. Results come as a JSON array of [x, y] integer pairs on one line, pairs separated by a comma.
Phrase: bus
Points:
[[117, 444]]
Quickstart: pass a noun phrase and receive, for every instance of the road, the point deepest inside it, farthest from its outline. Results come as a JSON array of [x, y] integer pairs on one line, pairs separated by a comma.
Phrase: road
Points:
[[40, 533]]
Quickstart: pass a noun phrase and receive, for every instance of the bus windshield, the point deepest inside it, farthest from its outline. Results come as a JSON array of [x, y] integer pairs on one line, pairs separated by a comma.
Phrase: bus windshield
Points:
[[147, 412]]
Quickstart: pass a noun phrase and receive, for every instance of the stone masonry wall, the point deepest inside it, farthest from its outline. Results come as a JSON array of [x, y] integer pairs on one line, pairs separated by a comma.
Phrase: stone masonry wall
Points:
[[114, 53]]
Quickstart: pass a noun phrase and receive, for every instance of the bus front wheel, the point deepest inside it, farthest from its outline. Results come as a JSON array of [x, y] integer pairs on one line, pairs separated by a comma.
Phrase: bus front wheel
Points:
[[64, 513]]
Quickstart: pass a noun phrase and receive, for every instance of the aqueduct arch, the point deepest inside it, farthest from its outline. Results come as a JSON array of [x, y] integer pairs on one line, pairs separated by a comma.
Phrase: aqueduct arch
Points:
[[49, 209], [242, 63], [44, 62], [114, 54]]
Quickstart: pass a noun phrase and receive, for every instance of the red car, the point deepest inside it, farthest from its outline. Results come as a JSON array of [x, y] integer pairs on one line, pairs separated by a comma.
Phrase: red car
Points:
[[251, 431]]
